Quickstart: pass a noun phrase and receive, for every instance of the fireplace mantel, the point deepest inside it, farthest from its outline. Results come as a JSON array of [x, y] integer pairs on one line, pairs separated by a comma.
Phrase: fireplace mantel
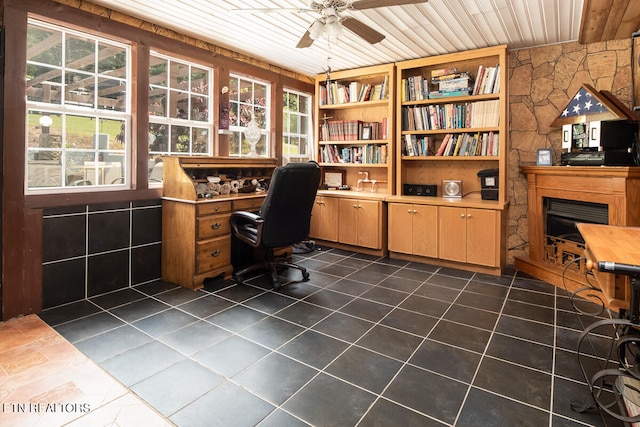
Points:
[[617, 187]]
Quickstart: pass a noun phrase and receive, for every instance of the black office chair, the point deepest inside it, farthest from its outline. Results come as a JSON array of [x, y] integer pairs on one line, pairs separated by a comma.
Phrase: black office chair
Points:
[[283, 218]]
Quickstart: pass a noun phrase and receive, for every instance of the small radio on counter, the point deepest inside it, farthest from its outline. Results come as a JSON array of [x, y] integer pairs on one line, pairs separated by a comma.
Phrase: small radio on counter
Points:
[[420, 190]]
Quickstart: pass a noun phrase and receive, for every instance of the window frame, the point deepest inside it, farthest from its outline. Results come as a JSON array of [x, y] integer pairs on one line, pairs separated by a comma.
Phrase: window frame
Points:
[[67, 110], [239, 132], [286, 134], [176, 122]]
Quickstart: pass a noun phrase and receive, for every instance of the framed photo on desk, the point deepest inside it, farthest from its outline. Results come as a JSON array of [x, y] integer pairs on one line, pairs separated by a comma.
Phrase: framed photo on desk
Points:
[[333, 178]]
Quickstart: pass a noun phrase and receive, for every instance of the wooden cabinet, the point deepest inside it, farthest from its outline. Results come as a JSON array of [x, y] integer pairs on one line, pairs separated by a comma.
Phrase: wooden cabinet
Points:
[[413, 229], [196, 234], [445, 134], [360, 223], [355, 128], [469, 235], [324, 219]]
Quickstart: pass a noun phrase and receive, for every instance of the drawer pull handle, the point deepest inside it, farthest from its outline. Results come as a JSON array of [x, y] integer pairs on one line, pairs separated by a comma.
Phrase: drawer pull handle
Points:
[[215, 253], [216, 225]]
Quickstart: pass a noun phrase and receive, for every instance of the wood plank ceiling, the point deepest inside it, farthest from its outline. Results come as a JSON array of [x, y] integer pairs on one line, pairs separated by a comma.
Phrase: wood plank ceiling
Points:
[[412, 31]]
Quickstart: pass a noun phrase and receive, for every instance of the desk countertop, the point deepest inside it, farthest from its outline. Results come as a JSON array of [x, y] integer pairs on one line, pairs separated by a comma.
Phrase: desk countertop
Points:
[[612, 243]]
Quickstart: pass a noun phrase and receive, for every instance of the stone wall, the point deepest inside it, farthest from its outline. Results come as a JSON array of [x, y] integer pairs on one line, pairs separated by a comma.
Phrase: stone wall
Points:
[[542, 81]]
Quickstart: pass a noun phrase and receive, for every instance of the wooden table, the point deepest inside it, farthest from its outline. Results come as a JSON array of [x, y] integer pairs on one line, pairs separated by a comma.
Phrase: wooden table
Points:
[[606, 244]]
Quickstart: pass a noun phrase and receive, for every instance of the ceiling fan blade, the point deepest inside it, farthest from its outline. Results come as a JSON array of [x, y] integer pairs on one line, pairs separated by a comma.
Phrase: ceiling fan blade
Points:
[[305, 41], [363, 30], [370, 4]]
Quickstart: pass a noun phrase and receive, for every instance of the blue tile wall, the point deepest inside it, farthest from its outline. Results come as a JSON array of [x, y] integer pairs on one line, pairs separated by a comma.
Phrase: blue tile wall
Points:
[[94, 249]]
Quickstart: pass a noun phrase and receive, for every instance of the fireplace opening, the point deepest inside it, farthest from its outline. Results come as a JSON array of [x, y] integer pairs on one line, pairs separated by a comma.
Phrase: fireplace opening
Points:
[[563, 242]]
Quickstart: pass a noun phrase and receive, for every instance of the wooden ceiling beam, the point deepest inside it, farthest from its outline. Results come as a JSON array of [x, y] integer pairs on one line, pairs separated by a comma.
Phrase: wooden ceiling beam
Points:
[[604, 20]]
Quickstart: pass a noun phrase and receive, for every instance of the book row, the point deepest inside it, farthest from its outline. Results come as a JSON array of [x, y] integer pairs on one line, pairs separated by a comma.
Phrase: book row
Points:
[[361, 154], [465, 144], [451, 83], [353, 130], [451, 116], [334, 92]]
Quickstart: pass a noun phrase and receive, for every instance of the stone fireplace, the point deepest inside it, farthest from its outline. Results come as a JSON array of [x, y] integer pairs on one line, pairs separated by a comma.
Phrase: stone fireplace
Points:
[[560, 196]]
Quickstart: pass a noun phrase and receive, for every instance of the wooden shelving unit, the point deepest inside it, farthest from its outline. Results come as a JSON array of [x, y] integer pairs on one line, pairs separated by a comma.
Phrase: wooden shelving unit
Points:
[[459, 227], [355, 218]]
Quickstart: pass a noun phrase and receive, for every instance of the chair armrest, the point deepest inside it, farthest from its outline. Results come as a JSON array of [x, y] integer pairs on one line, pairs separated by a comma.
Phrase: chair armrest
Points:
[[247, 226]]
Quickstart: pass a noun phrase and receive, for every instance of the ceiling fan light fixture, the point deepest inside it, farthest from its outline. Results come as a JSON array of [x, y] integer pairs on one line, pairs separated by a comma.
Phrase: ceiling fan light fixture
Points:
[[333, 30], [316, 30]]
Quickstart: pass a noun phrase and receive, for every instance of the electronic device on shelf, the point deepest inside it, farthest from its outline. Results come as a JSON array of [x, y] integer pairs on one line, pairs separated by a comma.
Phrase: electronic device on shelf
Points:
[[420, 190], [452, 188], [598, 143]]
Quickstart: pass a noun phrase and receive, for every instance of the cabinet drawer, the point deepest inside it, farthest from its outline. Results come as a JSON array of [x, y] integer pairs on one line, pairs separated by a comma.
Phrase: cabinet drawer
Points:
[[213, 208], [213, 254], [212, 226], [250, 205]]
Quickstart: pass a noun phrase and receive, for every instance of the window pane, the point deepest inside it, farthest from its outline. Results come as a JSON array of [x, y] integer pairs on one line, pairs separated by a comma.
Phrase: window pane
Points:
[[158, 138], [199, 80], [260, 94], [304, 105], [80, 53], [80, 132], [79, 89], [234, 114], [234, 144], [179, 76], [200, 138], [44, 46], [158, 102], [245, 92], [112, 60], [44, 84], [178, 105], [158, 71], [180, 139], [260, 115], [199, 108], [112, 94]]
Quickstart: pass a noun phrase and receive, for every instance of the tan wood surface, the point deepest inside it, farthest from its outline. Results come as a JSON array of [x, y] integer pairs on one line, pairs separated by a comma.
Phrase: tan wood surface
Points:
[[452, 232], [482, 230], [324, 219], [612, 243]]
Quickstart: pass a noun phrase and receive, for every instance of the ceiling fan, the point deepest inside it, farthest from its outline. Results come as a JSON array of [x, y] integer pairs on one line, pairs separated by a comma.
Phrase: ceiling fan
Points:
[[332, 16]]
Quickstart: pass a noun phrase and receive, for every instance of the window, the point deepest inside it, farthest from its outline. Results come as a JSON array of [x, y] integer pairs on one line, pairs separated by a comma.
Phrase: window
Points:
[[296, 126], [249, 105], [180, 100], [78, 110]]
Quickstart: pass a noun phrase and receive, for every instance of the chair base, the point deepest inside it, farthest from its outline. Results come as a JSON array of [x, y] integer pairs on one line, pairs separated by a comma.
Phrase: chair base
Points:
[[271, 267]]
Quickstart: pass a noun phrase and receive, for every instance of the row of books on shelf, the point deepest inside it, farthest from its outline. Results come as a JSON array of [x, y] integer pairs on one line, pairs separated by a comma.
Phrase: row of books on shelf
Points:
[[333, 92], [465, 144], [353, 130], [362, 154], [477, 114], [448, 82]]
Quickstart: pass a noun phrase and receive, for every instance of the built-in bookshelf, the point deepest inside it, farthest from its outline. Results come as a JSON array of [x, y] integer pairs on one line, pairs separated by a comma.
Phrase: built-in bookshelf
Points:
[[451, 134], [355, 125], [452, 120]]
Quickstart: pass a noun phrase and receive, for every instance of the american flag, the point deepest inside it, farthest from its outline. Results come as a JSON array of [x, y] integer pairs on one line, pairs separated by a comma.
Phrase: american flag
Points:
[[583, 104]]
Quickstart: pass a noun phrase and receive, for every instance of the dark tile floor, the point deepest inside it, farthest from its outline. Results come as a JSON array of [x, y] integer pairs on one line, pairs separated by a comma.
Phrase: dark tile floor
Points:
[[367, 341]]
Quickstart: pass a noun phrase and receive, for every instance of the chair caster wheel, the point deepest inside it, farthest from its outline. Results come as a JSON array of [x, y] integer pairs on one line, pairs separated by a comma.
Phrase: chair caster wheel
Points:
[[238, 279], [305, 276]]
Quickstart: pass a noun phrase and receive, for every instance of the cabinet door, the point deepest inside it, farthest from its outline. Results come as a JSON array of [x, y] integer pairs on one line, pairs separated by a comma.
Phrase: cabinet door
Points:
[[452, 233], [324, 219], [400, 227], [330, 216], [348, 224], [483, 236], [425, 230], [368, 224]]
